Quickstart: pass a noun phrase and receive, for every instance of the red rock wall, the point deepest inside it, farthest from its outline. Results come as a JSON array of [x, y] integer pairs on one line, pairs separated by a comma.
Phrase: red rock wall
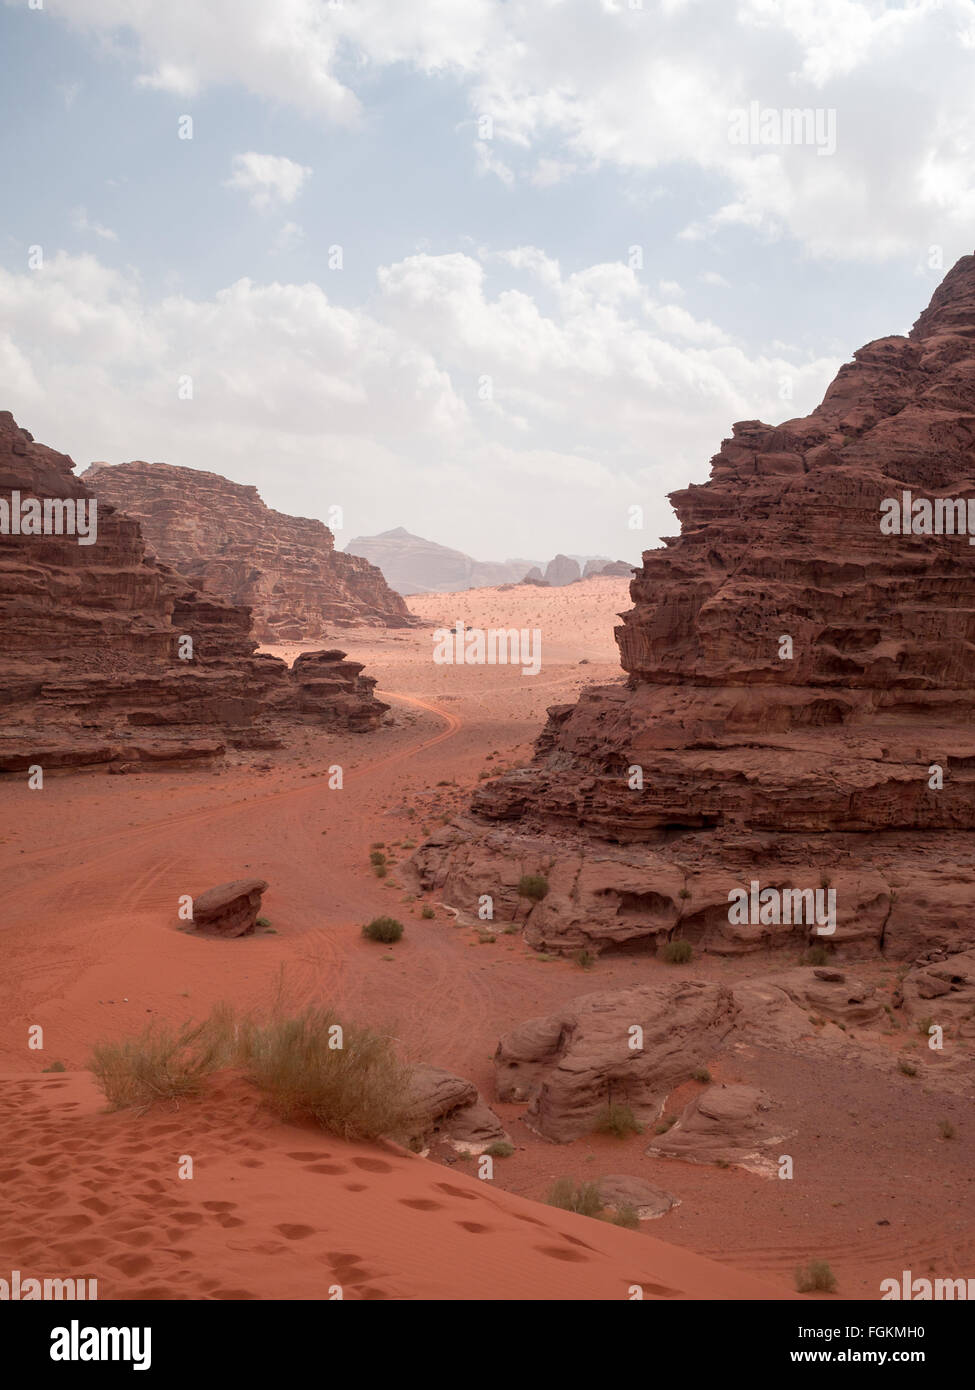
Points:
[[225, 540], [91, 639]]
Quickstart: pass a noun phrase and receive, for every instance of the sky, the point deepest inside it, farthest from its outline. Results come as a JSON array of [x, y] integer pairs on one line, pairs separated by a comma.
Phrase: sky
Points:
[[503, 272]]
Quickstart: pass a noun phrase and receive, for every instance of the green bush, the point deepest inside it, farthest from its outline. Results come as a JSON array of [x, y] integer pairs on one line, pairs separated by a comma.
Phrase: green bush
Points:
[[617, 1119], [500, 1149], [817, 1277], [383, 929], [677, 952], [427, 913], [160, 1063], [584, 1199], [534, 886], [626, 1215], [584, 959]]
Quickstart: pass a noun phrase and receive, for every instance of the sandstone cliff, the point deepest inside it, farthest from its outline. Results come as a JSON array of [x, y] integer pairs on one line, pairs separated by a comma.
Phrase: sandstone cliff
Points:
[[97, 666], [798, 708], [225, 540]]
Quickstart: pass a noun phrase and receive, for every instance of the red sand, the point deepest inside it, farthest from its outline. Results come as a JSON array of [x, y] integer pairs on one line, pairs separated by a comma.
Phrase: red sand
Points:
[[93, 867]]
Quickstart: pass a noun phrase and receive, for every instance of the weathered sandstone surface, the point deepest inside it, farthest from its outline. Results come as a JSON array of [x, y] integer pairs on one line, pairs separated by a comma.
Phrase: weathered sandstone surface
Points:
[[624, 1047], [230, 909], [724, 1124], [798, 700], [444, 1106], [226, 541], [93, 635]]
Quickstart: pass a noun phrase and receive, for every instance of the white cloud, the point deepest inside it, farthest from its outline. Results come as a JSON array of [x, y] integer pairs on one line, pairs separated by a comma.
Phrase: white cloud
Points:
[[83, 223], [572, 84], [602, 398], [268, 179], [288, 237]]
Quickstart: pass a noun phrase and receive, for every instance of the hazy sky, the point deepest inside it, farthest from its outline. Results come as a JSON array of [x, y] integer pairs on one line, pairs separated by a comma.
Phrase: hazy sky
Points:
[[562, 275]]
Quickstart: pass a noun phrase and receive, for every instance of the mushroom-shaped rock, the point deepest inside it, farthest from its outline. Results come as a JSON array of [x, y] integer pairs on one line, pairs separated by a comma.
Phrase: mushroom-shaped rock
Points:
[[231, 909]]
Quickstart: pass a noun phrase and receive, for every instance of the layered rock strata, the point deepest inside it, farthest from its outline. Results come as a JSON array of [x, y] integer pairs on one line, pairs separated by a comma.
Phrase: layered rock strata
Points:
[[797, 709], [113, 658], [226, 541]]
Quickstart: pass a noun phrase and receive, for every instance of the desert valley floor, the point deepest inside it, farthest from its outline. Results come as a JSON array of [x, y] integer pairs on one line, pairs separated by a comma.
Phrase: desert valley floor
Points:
[[92, 870]]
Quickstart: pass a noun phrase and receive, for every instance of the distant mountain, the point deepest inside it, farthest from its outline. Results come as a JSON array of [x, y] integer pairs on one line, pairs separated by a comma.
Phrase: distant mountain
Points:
[[413, 565]]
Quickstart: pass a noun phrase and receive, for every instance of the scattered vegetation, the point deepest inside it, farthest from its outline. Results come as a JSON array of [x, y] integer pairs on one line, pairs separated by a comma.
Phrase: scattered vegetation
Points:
[[377, 857], [534, 886], [160, 1063], [816, 1277], [263, 921], [308, 1065], [618, 1120], [56, 1066], [702, 1074], [908, 1068], [945, 1128], [816, 955], [500, 1149], [664, 1125], [584, 1199], [428, 913], [584, 958], [923, 1025], [626, 1215], [383, 929], [677, 952]]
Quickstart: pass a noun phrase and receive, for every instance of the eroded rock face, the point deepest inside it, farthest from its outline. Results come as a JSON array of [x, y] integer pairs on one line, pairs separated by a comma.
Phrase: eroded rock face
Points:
[[727, 1124], [223, 538], [798, 702], [943, 993], [231, 909], [447, 1107], [568, 1066], [621, 1190], [113, 658]]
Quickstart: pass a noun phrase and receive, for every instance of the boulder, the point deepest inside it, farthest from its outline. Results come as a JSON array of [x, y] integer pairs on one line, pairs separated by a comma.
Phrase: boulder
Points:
[[447, 1107], [231, 909], [731, 1124], [620, 1190], [628, 1047]]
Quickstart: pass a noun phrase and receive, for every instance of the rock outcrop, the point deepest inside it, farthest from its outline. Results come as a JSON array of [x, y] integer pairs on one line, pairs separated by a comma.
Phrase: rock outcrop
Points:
[[623, 1047], [620, 1190], [446, 1107], [113, 658], [413, 565], [231, 909], [798, 704], [724, 1124], [226, 541], [561, 571]]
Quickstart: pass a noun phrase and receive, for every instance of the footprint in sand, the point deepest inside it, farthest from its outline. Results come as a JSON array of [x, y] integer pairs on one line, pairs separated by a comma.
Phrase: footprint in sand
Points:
[[558, 1252], [251, 1163], [456, 1191], [355, 1187], [331, 1168], [474, 1226], [304, 1157], [420, 1203], [130, 1264], [220, 1206], [373, 1165], [292, 1231]]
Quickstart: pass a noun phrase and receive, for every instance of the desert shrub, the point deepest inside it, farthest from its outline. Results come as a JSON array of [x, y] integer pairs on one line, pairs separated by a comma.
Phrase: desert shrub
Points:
[[161, 1063], [357, 1090], [626, 1215], [380, 870], [816, 955], [908, 1068], [816, 1277], [533, 886], [427, 913], [500, 1149], [677, 952], [56, 1066], [263, 921], [945, 1128], [584, 959], [617, 1119], [923, 1025], [383, 929], [702, 1074], [584, 1199]]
